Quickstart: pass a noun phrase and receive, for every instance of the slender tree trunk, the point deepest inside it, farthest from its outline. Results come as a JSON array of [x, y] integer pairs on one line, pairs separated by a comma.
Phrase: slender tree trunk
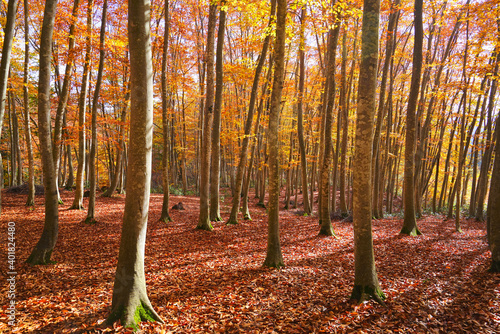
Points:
[[274, 258], [233, 218], [326, 140], [366, 285], [71, 177], [5, 65], [64, 94], [42, 252], [165, 216], [206, 143], [82, 110], [17, 162], [345, 125], [300, 113], [95, 101], [119, 152], [27, 124], [219, 82], [130, 301], [382, 106], [493, 221], [486, 159], [410, 222]]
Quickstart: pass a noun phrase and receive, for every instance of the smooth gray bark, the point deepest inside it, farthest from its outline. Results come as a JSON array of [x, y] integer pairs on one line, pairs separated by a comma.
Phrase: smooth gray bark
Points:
[[274, 257], [366, 285], [42, 252], [5, 65], [95, 101], [130, 301]]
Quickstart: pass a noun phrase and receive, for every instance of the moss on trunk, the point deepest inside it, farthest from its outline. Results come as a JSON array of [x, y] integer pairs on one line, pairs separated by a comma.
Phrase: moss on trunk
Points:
[[132, 314], [410, 231], [361, 293]]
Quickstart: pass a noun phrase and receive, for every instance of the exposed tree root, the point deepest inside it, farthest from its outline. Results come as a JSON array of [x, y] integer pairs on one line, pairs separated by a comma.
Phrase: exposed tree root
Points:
[[361, 293], [133, 312], [40, 256]]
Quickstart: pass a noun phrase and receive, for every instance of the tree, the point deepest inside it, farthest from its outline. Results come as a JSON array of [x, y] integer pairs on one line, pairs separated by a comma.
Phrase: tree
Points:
[[95, 101], [366, 285], [43, 250], [493, 220], [219, 86], [274, 257], [233, 217], [130, 301], [326, 138], [206, 144], [300, 112], [165, 217], [63, 98], [410, 222], [4, 68], [27, 125], [82, 109]]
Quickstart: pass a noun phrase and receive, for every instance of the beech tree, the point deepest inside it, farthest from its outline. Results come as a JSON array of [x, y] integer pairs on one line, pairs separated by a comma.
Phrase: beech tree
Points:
[[366, 285], [4, 69], [493, 221], [410, 223], [206, 143], [165, 216], [82, 109], [216, 127], [27, 124], [130, 301], [95, 101], [274, 257], [233, 218], [42, 252]]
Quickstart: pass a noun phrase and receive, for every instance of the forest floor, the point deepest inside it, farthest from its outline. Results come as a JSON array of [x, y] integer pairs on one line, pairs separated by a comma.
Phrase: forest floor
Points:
[[210, 282]]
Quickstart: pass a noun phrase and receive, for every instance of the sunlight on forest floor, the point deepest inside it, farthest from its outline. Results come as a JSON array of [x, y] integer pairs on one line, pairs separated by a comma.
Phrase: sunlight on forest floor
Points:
[[214, 281]]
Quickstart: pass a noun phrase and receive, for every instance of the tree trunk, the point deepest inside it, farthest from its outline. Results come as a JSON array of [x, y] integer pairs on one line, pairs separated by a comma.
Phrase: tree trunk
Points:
[[119, 152], [71, 177], [43, 250], [326, 139], [5, 64], [366, 285], [215, 154], [17, 163], [274, 258], [206, 143], [233, 218], [27, 124], [165, 216], [300, 113], [130, 301], [82, 110], [410, 222], [64, 94], [382, 106], [95, 101], [493, 222]]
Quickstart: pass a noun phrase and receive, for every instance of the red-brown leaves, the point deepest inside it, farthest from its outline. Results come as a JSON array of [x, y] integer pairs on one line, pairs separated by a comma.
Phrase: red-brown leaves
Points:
[[214, 281]]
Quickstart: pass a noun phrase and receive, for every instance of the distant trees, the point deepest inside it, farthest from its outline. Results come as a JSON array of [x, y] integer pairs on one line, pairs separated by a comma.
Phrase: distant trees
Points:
[[257, 120]]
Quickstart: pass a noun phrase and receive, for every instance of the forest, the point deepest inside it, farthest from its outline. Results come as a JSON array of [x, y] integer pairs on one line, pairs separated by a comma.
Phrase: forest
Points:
[[281, 166]]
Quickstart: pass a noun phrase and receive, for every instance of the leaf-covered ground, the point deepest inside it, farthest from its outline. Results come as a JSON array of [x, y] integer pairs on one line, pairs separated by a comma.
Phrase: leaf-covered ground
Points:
[[207, 282]]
